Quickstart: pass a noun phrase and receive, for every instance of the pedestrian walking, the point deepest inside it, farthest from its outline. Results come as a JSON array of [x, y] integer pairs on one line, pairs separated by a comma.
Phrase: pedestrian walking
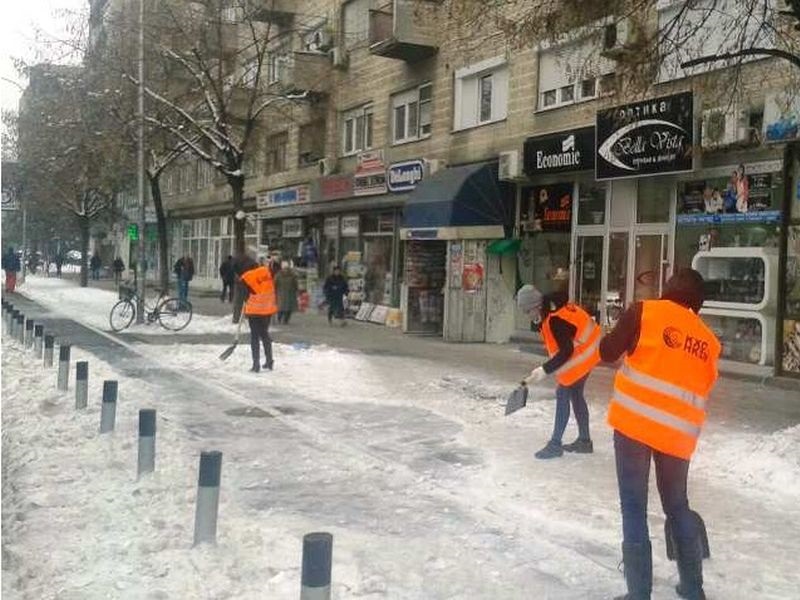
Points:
[[335, 290], [12, 266], [571, 338], [184, 272], [119, 267], [228, 276], [59, 264], [286, 287], [657, 411], [261, 304], [94, 264]]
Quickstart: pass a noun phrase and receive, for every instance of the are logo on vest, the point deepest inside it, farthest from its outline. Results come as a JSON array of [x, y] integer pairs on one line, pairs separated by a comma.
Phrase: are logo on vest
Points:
[[674, 338]]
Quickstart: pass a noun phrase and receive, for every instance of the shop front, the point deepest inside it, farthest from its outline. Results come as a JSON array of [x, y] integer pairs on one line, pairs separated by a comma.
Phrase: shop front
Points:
[[453, 285]]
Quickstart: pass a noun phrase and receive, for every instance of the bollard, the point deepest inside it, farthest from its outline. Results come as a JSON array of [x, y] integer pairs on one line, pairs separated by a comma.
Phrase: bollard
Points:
[[63, 367], [29, 333], [21, 329], [147, 442], [12, 322], [317, 559], [205, 516], [81, 384], [38, 332], [108, 410], [48, 350]]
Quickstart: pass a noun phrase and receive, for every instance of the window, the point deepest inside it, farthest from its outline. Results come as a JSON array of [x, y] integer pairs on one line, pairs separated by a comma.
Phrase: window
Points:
[[357, 130], [356, 22], [278, 62], [573, 72], [185, 173], [250, 74], [412, 114], [277, 146], [312, 143], [481, 93], [205, 174]]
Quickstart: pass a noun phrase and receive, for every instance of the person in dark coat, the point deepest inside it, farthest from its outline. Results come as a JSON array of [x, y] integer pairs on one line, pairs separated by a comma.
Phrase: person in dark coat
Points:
[[12, 266], [335, 289], [119, 266], [228, 276], [94, 265], [184, 272], [286, 287], [59, 264]]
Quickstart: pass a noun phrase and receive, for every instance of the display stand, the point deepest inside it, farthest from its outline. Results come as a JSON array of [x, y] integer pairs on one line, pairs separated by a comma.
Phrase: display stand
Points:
[[425, 276]]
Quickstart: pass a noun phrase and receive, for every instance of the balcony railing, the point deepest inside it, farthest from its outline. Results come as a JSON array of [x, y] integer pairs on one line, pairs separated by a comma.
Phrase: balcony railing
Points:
[[404, 30], [305, 72]]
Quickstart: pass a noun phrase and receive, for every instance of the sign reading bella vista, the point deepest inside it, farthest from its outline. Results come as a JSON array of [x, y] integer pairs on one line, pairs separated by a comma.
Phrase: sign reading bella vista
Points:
[[646, 138], [561, 152]]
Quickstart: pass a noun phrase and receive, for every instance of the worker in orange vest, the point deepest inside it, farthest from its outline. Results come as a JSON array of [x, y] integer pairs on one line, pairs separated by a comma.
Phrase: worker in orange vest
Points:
[[657, 410], [260, 306], [571, 338]]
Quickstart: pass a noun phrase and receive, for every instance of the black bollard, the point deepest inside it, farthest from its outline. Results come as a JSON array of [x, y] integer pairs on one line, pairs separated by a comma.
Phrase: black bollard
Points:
[[29, 333], [205, 517], [317, 560], [38, 333], [63, 367], [108, 410], [20, 329], [81, 384], [147, 441], [49, 340]]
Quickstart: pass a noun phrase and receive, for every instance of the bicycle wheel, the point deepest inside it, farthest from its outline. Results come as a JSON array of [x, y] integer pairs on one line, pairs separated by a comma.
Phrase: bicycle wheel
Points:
[[121, 315], [174, 314]]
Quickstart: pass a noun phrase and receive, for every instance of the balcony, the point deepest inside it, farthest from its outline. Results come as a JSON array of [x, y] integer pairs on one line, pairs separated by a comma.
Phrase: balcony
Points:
[[304, 72], [404, 30], [273, 11]]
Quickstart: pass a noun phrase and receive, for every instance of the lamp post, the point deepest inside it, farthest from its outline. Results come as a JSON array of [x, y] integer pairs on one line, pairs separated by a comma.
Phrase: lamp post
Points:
[[140, 175]]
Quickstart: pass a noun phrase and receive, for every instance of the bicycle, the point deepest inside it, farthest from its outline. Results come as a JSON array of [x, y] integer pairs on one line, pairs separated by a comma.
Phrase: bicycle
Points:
[[171, 313]]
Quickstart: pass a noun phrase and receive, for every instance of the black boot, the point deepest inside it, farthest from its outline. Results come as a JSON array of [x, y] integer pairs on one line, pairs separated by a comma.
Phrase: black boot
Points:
[[579, 446], [268, 365], [638, 567], [689, 555], [255, 368]]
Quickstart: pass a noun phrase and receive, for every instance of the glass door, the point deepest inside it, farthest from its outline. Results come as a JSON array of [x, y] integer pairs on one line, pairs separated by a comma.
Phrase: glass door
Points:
[[589, 270], [651, 265], [617, 287]]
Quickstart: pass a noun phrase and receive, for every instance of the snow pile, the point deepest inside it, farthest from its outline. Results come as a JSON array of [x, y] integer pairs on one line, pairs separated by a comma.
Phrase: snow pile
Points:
[[758, 463], [92, 306]]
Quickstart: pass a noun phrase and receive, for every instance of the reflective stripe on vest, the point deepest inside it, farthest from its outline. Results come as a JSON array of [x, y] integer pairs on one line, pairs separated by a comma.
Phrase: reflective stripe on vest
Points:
[[585, 344], [585, 355], [587, 332], [663, 387], [654, 414]]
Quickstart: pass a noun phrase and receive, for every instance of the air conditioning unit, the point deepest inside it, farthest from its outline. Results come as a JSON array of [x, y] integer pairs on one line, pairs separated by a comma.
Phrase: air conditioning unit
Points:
[[320, 40], [509, 166], [327, 166], [340, 58], [615, 38], [724, 126], [432, 166]]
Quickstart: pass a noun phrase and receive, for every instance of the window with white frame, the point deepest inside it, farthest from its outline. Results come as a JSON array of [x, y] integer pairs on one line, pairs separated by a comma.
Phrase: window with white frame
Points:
[[481, 93], [411, 114], [357, 130], [278, 62], [574, 72]]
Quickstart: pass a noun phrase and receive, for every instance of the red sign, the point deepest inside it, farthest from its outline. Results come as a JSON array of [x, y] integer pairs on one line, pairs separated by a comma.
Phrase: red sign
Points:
[[336, 187], [472, 278]]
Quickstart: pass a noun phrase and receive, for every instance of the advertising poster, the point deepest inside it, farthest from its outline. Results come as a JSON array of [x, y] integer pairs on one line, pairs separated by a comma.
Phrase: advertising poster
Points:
[[549, 207], [472, 278], [456, 265]]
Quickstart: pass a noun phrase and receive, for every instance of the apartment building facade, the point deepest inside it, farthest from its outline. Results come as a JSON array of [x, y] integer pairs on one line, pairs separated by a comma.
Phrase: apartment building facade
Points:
[[442, 174]]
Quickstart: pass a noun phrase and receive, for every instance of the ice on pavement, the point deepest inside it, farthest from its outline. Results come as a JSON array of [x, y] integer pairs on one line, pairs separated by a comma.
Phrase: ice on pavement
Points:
[[93, 305], [429, 491]]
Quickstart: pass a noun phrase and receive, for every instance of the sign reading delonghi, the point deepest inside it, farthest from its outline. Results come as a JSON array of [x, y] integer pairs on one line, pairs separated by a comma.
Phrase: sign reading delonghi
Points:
[[404, 176], [560, 152], [646, 138]]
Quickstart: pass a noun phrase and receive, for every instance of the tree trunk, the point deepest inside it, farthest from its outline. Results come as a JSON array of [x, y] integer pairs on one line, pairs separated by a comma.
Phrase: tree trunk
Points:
[[163, 238], [237, 188], [83, 224]]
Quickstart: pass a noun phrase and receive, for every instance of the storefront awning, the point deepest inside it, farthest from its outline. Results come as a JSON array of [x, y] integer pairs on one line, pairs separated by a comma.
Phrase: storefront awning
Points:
[[455, 200]]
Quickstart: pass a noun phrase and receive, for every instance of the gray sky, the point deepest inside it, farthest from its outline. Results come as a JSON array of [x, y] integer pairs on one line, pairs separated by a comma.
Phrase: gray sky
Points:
[[19, 21]]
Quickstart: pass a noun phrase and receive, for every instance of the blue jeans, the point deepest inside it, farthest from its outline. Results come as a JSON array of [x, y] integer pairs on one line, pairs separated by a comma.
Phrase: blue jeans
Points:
[[183, 290], [633, 472], [564, 397]]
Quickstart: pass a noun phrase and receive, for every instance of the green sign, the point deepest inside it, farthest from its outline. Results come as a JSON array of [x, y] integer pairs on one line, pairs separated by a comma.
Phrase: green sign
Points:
[[133, 232]]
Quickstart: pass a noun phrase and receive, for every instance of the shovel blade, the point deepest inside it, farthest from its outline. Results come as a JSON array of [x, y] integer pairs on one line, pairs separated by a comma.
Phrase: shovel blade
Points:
[[228, 351], [517, 399]]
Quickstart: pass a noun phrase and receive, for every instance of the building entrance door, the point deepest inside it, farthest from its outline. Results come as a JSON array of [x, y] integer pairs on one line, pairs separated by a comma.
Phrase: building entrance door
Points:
[[651, 265]]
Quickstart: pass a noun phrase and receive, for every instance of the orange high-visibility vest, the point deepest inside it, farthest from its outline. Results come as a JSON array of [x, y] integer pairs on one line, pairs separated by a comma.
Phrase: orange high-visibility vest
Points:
[[261, 301], [585, 351], [661, 390]]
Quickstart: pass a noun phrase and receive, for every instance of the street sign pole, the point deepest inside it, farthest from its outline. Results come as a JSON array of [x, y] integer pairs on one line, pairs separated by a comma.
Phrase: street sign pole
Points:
[[141, 258]]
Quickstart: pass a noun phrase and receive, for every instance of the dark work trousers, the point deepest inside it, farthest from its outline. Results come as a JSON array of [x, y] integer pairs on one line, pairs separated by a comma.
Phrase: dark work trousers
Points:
[[633, 472], [259, 330], [566, 395], [335, 309], [284, 316], [227, 286]]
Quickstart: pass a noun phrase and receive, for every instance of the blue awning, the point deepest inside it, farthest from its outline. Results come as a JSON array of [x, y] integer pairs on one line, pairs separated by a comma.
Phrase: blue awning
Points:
[[458, 197]]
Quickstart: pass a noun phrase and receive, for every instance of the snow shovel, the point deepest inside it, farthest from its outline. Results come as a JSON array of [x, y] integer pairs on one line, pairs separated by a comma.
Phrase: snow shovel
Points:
[[669, 536], [229, 350], [518, 399]]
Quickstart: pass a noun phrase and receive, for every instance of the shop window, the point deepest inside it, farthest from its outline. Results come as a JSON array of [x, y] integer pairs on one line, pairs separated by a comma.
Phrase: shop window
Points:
[[412, 114], [357, 130], [653, 201], [591, 203], [312, 143], [215, 227], [277, 147], [790, 359], [378, 223]]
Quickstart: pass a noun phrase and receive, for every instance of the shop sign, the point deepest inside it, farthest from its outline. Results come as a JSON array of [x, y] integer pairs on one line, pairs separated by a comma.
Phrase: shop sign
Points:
[[645, 138], [561, 152], [350, 226], [548, 207], [292, 228], [330, 227], [404, 176], [782, 117], [336, 187], [370, 176], [283, 197], [472, 278]]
